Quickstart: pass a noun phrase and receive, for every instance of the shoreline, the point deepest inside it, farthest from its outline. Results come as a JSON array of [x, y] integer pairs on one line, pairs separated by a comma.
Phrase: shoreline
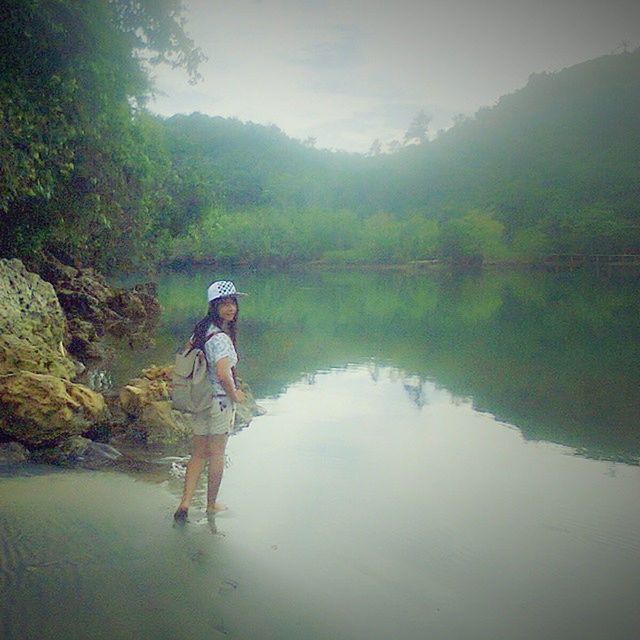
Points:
[[433, 265], [56, 322]]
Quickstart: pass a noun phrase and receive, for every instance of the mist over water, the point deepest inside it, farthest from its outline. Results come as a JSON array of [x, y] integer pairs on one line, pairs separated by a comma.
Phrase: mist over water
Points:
[[426, 468]]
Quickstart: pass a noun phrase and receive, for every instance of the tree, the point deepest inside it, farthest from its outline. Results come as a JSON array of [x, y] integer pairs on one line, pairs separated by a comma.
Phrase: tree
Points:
[[376, 148], [418, 128], [73, 76], [393, 146], [472, 238]]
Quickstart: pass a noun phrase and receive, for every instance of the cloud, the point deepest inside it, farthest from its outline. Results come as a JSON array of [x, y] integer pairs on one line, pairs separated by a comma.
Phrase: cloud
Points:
[[350, 71], [340, 49]]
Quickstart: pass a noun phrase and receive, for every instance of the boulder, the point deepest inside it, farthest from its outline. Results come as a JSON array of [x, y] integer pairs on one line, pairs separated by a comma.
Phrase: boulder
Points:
[[39, 409], [146, 401], [152, 386], [94, 308], [32, 324], [67, 452], [29, 305], [79, 451], [13, 453], [163, 425], [84, 340], [35, 355], [100, 453]]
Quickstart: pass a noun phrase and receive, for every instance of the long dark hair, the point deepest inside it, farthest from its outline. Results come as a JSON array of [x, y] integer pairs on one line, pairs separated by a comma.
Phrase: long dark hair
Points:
[[201, 330]]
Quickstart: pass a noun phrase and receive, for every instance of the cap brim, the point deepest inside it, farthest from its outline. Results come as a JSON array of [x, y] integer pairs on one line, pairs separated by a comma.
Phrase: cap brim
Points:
[[237, 294]]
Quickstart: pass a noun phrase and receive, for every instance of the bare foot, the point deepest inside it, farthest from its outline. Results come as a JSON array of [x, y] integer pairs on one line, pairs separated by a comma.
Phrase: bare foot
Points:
[[181, 515], [217, 507]]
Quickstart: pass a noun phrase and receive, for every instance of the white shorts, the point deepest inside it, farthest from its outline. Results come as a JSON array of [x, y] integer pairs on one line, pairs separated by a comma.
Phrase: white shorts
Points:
[[217, 420]]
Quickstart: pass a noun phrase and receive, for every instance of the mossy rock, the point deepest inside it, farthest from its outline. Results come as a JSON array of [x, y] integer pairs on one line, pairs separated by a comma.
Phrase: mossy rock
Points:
[[39, 409]]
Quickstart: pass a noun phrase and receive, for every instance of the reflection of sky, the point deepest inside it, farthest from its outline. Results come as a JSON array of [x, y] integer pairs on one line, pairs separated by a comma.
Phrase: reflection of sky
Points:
[[354, 513], [372, 502]]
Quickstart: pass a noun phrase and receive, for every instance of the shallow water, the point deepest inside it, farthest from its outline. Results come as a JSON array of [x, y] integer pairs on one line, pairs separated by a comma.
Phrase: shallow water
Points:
[[379, 497]]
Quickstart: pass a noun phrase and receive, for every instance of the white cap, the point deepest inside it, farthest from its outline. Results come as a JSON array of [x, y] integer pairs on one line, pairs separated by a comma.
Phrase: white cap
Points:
[[222, 289]]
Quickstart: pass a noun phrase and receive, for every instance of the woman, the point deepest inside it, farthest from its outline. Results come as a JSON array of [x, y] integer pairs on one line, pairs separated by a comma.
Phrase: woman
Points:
[[215, 334]]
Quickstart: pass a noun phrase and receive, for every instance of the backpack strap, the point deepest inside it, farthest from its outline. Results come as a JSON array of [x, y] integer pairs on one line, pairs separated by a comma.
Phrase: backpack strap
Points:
[[190, 346], [213, 333]]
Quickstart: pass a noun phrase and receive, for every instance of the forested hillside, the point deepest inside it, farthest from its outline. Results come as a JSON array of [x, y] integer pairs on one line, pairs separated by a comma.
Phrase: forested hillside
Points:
[[87, 173], [559, 158], [553, 167]]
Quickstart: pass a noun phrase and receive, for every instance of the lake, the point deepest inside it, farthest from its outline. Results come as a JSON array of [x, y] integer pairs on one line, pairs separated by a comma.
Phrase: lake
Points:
[[443, 456]]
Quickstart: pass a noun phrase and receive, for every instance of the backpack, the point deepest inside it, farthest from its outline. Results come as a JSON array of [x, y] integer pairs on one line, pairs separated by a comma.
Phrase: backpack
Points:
[[191, 390]]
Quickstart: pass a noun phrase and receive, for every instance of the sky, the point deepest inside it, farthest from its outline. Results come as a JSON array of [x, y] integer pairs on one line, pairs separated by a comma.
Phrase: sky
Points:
[[348, 72]]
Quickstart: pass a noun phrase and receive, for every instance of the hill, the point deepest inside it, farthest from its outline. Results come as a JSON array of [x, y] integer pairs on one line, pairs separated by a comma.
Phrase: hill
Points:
[[553, 167]]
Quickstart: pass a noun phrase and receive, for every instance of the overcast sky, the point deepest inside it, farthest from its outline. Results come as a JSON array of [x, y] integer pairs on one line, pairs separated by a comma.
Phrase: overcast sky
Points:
[[349, 71]]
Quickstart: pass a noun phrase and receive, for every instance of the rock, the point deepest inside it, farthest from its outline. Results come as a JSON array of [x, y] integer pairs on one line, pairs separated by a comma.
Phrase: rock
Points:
[[84, 340], [146, 402], [79, 451], [132, 400], [67, 452], [29, 305], [248, 410], [32, 324], [152, 386], [163, 425], [94, 308], [13, 453], [35, 355], [99, 452], [38, 409], [137, 312]]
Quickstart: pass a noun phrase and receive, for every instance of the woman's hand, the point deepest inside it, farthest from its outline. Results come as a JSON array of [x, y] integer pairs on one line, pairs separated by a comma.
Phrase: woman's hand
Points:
[[240, 396]]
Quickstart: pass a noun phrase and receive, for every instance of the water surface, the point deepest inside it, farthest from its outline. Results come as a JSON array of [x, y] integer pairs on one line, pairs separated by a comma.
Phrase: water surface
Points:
[[441, 458]]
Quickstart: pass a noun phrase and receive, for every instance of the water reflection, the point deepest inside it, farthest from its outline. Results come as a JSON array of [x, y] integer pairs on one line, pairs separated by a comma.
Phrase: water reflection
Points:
[[355, 512], [558, 356]]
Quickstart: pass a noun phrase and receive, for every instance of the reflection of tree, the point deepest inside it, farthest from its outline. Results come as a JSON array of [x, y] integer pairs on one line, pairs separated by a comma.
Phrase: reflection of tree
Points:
[[416, 392], [557, 357]]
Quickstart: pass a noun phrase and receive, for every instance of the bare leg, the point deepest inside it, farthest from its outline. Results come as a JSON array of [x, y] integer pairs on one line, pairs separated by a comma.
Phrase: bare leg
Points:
[[217, 444], [199, 454]]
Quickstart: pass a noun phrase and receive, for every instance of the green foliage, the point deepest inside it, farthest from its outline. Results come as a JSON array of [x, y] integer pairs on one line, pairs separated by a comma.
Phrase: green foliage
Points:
[[551, 168], [77, 175], [597, 230], [473, 238], [87, 173]]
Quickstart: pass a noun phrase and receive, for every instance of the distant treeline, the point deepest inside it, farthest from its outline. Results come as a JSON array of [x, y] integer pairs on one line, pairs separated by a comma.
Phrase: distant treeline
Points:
[[87, 173], [552, 168]]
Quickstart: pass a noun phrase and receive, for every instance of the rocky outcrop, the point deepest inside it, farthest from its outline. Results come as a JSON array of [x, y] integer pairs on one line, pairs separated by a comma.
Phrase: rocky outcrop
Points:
[[29, 305], [42, 411], [35, 355], [146, 403], [32, 324], [38, 409], [39, 403], [94, 308]]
